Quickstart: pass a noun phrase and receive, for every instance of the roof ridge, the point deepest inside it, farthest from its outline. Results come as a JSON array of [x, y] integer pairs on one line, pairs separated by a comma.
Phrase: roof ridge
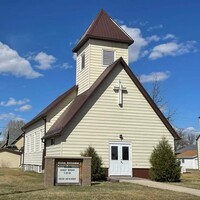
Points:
[[49, 107], [81, 99], [103, 27], [97, 19]]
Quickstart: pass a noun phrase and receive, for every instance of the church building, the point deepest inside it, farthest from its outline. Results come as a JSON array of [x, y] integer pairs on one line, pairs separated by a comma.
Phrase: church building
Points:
[[107, 109]]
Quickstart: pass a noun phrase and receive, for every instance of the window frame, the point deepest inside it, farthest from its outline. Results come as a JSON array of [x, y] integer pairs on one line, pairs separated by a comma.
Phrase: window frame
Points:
[[114, 57], [81, 61]]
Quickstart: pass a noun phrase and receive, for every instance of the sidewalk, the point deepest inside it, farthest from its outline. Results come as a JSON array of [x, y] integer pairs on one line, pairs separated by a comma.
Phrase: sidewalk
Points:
[[162, 186]]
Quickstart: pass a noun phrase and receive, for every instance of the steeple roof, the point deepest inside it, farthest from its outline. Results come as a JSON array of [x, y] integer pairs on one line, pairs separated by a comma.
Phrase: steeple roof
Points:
[[104, 28]]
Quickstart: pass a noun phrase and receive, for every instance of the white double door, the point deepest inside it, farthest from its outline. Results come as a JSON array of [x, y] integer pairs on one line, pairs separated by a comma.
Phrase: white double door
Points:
[[120, 159]]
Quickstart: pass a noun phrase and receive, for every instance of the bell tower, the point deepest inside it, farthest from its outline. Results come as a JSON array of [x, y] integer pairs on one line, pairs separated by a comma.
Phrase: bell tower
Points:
[[102, 43]]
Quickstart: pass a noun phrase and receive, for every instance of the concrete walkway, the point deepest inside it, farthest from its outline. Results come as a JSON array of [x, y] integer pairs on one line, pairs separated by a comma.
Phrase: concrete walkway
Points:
[[162, 186]]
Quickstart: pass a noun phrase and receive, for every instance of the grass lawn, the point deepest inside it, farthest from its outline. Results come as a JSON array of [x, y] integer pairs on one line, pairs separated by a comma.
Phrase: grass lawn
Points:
[[18, 185], [190, 179]]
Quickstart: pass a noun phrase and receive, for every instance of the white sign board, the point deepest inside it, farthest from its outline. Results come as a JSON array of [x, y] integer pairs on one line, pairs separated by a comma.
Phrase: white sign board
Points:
[[67, 172]]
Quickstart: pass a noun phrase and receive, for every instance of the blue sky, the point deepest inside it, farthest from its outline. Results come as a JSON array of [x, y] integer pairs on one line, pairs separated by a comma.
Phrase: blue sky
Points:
[[37, 63]]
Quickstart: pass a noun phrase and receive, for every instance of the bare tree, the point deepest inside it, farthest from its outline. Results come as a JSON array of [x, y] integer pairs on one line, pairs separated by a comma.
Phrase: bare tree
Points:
[[191, 138], [188, 137], [183, 141], [159, 100], [13, 124]]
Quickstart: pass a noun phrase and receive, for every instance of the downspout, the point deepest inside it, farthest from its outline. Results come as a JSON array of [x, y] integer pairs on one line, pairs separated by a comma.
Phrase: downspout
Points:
[[44, 141], [22, 157]]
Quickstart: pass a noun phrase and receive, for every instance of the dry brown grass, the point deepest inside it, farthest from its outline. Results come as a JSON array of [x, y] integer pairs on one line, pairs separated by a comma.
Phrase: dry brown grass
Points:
[[19, 185], [190, 179]]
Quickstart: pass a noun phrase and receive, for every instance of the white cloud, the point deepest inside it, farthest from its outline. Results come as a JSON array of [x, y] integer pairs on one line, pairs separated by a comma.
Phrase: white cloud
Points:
[[169, 36], [143, 23], [24, 108], [13, 102], [155, 27], [118, 21], [153, 38], [139, 42], [12, 63], [74, 56], [154, 76], [66, 66], [144, 53], [45, 61], [172, 49], [189, 129], [10, 116]]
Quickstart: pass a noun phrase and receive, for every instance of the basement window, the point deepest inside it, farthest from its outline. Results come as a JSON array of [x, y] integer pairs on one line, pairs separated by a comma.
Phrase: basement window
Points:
[[108, 57]]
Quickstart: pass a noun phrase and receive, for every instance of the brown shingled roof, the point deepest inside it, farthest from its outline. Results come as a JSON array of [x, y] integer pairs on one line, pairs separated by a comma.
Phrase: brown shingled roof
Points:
[[104, 28], [188, 154], [44, 112], [80, 100]]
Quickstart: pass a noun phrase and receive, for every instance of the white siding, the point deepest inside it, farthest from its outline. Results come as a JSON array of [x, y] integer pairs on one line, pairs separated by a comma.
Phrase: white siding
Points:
[[189, 163], [198, 151], [59, 109], [93, 51], [96, 56], [102, 121], [33, 152], [82, 75], [33, 145]]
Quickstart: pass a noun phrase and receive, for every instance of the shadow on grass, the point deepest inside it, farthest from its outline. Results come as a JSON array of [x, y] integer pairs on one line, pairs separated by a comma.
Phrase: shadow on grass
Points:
[[20, 192]]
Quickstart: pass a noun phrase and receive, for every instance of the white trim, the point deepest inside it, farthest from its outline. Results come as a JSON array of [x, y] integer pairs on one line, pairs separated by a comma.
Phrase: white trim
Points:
[[122, 29], [130, 155], [81, 55]]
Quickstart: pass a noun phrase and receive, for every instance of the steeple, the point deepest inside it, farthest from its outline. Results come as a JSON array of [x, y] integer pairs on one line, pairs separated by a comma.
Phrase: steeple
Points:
[[103, 42], [104, 28]]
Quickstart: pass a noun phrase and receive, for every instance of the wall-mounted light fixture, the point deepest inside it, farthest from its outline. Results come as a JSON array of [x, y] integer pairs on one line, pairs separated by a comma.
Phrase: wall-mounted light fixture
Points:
[[121, 137]]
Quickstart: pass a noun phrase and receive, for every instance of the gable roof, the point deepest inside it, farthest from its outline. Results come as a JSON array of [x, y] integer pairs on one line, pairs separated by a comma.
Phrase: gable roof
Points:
[[188, 154], [44, 112], [80, 100], [187, 148], [104, 28], [13, 135]]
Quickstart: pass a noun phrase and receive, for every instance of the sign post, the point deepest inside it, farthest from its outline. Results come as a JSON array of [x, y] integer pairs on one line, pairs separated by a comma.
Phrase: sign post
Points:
[[60, 170]]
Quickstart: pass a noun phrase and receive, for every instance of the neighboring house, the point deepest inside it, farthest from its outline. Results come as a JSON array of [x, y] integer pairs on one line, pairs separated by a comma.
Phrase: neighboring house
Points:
[[188, 158], [198, 150], [11, 150], [107, 109]]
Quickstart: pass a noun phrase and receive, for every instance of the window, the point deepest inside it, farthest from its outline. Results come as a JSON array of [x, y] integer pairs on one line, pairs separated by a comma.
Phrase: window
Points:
[[26, 144], [108, 57], [29, 143], [125, 153], [40, 141], [82, 61], [114, 152], [34, 142], [183, 161]]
